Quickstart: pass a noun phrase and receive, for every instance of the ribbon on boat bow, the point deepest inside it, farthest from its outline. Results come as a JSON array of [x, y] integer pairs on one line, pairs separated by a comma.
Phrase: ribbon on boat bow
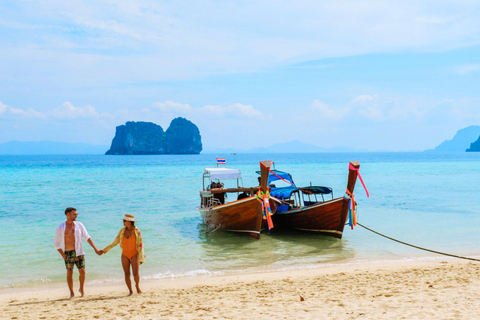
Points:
[[352, 216], [351, 167], [263, 198]]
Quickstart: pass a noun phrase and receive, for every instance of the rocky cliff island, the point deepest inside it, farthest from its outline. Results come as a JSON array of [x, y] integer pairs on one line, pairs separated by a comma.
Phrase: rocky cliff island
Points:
[[462, 139], [136, 138], [474, 146]]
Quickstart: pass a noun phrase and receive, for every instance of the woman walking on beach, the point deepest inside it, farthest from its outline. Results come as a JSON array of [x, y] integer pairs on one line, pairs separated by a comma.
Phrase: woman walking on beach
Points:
[[130, 239]]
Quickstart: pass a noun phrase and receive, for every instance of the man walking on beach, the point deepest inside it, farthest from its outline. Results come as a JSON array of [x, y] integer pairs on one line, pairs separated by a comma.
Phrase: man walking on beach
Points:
[[68, 242]]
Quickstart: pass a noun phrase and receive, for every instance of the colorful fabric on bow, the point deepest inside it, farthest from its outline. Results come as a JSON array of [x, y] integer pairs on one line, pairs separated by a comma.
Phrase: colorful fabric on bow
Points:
[[352, 217], [360, 176], [263, 198]]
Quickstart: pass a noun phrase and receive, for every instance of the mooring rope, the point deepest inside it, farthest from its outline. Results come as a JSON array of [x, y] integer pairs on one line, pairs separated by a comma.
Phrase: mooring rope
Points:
[[417, 247]]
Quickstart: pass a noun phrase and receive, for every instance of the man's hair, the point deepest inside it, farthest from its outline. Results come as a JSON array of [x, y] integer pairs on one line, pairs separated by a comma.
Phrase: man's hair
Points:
[[133, 223], [69, 209]]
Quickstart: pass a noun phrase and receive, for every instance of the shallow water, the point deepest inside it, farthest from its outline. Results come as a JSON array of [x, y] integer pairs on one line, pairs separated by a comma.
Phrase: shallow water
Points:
[[427, 199]]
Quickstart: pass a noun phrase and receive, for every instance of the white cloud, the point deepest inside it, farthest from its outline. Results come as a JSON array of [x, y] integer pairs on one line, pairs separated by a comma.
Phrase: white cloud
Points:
[[69, 111], [235, 110], [330, 113], [213, 111], [452, 111], [3, 108], [11, 112], [368, 106], [171, 106], [404, 110], [152, 41], [66, 111], [364, 100], [244, 111], [467, 69]]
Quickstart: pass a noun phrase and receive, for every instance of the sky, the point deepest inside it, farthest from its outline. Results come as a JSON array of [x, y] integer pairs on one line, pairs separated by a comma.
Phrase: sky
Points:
[[371, 75]]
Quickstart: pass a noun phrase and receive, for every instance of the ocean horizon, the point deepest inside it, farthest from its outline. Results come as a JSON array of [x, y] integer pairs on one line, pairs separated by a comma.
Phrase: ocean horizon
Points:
[[426, 199]]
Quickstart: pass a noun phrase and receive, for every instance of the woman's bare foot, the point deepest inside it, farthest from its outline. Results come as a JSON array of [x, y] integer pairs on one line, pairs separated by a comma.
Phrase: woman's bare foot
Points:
[[131, 292], [81, 293], [72, 295], [138, 289]]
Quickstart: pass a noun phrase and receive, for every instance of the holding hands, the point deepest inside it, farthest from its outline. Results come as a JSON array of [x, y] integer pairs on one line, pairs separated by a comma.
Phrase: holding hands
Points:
[[99, 252]]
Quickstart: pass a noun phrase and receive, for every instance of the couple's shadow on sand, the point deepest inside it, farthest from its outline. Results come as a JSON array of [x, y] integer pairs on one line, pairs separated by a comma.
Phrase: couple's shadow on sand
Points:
[[75, 300]]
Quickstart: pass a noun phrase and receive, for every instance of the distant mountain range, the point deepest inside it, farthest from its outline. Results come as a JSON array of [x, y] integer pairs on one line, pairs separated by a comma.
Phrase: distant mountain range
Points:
[[460, 142], [49, 148], [54, 147], [294, 146]]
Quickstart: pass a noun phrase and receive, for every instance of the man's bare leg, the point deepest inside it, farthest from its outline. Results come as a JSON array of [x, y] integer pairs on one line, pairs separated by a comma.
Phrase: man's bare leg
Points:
[[136, 276], [81, 278], [126, 270], [70, 283]]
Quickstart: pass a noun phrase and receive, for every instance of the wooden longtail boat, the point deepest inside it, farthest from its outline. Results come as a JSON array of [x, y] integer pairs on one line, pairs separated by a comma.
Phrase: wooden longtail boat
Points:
[[245, 214], [319, 216]]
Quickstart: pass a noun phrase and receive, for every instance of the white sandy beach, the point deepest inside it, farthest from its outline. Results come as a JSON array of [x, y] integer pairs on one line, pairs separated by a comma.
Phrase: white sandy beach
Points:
[[401, 290]]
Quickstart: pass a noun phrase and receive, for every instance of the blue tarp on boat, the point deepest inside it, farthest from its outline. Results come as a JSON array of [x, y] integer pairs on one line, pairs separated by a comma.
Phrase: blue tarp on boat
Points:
[[282, 193], [279, 174]]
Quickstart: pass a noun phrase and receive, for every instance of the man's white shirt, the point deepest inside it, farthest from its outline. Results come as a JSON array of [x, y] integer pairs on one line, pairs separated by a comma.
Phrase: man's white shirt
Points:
[[80, 233]]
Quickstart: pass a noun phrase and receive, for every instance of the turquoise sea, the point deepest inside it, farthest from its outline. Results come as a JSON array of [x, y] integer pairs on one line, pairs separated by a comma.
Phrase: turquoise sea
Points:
[[427, 199]]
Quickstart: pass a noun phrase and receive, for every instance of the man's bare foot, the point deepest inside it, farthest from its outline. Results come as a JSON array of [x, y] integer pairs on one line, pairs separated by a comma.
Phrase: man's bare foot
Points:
[[131, 292], [82, 293], [138, 289], [72, 295]]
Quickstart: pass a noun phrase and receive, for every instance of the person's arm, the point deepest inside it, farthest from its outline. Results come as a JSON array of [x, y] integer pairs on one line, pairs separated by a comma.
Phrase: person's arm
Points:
[[141, 254], [57, 242], [90, 241], [87, 237], [114, 242], [64, 256]]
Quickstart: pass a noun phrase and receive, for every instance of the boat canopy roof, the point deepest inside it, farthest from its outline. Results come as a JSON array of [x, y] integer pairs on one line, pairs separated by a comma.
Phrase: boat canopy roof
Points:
[[222, 173], [277, 175], [316, 190], [286, 192]]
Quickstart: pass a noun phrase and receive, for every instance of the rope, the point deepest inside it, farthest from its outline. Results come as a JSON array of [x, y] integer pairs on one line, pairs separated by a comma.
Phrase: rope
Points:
[[276, 174], [411, 245]]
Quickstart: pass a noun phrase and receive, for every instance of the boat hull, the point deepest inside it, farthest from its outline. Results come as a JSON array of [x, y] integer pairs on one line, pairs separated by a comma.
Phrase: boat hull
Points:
[[244, 216], [327, 218]]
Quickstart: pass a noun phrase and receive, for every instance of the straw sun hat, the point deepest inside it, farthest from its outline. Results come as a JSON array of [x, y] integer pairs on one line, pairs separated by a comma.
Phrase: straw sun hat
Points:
[[129, 217]]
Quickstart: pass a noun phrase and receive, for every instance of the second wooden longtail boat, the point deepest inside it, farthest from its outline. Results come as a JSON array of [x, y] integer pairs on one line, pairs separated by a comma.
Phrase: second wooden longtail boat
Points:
[[318, 216]]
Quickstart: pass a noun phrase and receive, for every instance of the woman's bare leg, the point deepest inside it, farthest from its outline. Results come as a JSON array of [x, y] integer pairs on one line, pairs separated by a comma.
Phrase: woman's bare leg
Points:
[[126, 270], [136, 276]]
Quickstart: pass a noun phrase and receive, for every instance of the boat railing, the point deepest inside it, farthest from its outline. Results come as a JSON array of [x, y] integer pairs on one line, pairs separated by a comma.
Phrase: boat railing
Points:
[[213, 202], [234, 190]]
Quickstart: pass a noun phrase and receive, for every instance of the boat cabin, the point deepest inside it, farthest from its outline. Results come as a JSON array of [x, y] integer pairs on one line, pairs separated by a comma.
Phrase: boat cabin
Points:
[[292, 196], [219, 184]]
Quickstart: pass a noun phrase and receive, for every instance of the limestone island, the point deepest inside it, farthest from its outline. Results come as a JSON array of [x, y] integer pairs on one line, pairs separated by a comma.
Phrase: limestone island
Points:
[[474, 146], [140, 138]]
